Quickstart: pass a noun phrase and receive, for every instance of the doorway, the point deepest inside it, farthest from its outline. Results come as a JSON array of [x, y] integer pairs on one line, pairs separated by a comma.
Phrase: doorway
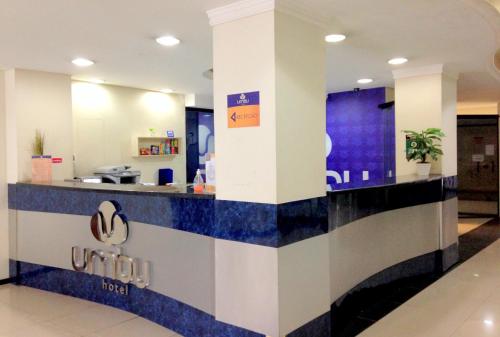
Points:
[[200, 135], [478, 174]]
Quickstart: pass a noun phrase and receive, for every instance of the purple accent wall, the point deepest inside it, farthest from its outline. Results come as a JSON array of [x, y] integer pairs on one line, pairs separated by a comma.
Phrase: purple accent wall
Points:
[[362, 138]]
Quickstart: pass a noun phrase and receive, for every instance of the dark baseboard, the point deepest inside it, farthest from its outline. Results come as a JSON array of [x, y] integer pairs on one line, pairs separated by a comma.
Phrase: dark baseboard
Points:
[[7, 281]]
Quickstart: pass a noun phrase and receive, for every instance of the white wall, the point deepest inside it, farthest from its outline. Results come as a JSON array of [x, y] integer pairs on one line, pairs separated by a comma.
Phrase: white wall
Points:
[[4, 224], [283, 159], [38, 100], [389, 94], [300, 108], [449, 125], [246, 157], [478, 109], [418, 106], [425, 101], [107, 118]]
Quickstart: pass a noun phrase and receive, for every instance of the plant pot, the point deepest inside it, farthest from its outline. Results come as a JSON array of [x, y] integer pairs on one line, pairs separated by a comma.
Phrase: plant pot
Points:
[[423, 169], [41, 169]]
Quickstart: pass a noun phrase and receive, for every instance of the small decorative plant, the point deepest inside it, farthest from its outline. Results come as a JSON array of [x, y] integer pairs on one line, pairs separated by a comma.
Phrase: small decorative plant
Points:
[[423, 145], [41, 164], [38, 145]]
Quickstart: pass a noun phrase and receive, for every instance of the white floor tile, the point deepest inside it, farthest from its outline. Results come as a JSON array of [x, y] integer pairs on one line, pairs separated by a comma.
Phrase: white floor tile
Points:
[[466, 225], [42, 330], [41, 305], [93, 319], [28, 312], [12, 319], [465, 302], [136, 327], [477, 329]]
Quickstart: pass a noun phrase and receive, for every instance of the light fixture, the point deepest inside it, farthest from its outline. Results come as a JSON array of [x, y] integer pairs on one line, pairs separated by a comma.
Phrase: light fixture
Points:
[[488, 322], [166, 91], [168, 41], [82, 62], [476, 275], [397, 61], [365, 81], [334, 38]]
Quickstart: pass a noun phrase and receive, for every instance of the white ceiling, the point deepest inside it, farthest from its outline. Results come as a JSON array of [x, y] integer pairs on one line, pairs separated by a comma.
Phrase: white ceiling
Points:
[[119, 35]]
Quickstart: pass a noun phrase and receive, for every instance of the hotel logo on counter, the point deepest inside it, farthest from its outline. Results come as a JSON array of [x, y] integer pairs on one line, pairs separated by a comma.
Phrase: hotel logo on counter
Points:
[[243, 110], [109, 226]]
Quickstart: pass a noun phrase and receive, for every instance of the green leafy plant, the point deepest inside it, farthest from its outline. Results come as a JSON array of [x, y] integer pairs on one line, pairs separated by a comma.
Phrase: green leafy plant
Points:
[[38, 145], [424, 144]]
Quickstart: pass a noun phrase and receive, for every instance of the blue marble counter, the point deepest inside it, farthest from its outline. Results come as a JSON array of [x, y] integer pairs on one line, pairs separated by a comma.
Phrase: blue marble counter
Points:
[[256, 223], [389, 181], [348, 205]]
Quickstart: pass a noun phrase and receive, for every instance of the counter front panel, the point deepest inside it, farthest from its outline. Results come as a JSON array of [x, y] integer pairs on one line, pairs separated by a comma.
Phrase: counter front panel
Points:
[[224, 268]]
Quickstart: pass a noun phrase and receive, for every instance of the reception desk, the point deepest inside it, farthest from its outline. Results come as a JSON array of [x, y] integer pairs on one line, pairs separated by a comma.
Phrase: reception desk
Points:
[[207, 267]]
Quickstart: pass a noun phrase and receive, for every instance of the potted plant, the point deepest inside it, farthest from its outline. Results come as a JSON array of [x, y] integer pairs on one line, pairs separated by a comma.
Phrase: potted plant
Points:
[[420, 146], [41, 164]]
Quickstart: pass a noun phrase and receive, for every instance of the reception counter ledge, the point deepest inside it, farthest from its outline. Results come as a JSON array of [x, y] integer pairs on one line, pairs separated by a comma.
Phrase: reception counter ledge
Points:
[[207, 267]]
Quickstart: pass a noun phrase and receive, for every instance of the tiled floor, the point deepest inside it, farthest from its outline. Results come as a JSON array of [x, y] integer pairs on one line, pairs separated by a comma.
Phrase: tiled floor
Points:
[[466, 225], [26, 312], [464, 302]]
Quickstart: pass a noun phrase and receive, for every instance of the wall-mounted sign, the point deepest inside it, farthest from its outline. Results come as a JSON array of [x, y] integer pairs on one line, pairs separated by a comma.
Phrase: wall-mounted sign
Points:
[[478, 158], [109, 226], [170, 133], [57, 160], [243, 110], [489, 149]]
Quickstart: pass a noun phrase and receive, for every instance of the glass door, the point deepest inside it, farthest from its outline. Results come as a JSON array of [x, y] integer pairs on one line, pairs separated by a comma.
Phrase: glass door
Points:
[[478, 179]]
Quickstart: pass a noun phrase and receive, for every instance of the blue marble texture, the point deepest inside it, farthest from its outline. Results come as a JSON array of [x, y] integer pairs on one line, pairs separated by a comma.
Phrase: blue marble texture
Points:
[[450, 187], [255, 223], [163, 310], [13, 268], [193, 215], [270, 225], [12, 196]]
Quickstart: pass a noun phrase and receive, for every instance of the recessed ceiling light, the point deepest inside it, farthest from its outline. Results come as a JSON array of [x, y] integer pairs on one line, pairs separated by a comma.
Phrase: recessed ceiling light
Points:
[[334, 38], [365, 81], [168, 41], [397, 61], [82, 62], [166, 91], [488, 322]]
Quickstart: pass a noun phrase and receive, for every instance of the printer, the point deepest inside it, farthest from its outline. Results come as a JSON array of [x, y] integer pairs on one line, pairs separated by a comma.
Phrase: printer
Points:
[[120, 174]]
